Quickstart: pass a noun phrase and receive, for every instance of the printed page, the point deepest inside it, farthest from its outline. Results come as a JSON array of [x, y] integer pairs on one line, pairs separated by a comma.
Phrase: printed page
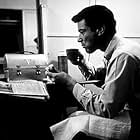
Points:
[[29, 88]]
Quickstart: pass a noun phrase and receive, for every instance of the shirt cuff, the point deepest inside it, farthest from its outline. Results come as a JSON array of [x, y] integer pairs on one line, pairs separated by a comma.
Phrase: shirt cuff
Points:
[[78, 90]]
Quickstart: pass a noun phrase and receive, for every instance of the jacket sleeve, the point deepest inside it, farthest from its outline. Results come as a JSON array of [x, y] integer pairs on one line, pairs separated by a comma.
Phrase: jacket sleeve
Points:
[[110, 99]]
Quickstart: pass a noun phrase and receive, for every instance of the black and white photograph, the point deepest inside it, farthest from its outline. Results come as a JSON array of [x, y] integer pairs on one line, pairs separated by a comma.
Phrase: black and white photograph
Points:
[[69, 69]]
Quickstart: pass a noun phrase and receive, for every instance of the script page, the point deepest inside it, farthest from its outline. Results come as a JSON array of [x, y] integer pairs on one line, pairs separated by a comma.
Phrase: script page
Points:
[[29, 88]]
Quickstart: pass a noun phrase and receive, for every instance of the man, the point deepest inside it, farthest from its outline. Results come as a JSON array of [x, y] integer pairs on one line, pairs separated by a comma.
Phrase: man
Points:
[[97, 30]]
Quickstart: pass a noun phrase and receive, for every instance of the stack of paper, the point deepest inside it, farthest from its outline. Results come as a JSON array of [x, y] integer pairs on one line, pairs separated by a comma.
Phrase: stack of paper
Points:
[[28, 88]]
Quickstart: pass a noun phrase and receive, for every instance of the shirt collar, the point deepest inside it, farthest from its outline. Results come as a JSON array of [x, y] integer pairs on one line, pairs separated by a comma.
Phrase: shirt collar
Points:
[[111, 47]]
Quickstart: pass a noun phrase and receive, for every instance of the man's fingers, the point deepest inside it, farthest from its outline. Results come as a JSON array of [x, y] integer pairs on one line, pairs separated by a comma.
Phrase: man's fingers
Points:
[[50, 77], [50, 74]]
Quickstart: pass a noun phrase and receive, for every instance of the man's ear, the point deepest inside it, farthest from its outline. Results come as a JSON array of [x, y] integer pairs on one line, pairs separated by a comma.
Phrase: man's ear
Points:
[[100, 31]]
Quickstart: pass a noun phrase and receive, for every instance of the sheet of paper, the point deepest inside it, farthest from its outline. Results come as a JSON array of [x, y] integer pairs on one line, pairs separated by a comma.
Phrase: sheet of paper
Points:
[[29, 88]]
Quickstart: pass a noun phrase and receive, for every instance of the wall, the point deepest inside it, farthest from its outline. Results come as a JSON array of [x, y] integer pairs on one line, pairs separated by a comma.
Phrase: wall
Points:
[[17, 4]]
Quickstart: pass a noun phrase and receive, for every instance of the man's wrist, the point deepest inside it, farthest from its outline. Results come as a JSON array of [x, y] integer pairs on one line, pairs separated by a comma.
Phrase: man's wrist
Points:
[[82, 63]]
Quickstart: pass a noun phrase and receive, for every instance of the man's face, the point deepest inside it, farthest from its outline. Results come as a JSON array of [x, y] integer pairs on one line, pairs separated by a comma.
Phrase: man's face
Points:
[[87, 37]]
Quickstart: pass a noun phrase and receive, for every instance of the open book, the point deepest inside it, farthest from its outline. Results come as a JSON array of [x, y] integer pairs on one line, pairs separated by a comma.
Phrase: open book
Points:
[[27, 88]]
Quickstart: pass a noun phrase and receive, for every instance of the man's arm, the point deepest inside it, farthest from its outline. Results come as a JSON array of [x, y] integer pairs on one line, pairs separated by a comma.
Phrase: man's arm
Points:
[[91, 73], [88, 71], [111, 98]]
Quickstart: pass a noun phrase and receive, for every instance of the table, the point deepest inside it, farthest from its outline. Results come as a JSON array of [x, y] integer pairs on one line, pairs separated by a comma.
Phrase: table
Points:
[[24, 118]]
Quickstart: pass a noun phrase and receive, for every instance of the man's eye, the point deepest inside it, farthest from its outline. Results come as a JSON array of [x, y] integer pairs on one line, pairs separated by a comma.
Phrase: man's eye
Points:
[[82, 32]]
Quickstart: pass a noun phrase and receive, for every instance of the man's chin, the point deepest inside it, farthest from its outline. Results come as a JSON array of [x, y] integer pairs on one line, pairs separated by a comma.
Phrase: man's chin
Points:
[[89, 51]]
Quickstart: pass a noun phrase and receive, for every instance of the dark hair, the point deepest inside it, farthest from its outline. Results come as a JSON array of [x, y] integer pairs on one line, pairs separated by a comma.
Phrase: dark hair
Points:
[[96, 16]]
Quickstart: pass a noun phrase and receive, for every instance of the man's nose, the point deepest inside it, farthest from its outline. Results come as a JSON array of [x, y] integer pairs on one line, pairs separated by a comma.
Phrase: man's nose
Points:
[[79, 39]]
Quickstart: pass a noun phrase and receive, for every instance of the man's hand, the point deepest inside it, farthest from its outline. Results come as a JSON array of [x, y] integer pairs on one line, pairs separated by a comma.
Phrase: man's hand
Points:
[[75, 56], [51, 68], [62, 79]]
